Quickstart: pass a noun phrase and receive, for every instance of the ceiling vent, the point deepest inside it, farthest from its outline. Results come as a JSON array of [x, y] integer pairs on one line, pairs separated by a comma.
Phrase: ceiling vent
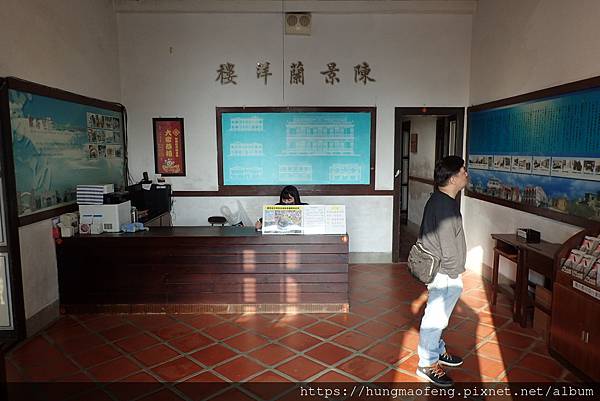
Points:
[[297, 23]]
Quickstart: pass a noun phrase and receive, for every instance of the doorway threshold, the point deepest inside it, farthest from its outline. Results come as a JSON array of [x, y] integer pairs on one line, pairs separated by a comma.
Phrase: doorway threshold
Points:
[[370, 257]]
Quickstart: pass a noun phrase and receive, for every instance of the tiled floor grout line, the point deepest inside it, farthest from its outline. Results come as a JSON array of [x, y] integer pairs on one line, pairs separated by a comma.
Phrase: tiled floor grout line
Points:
[[296, 353], [146, 369], [358, 352], [350, 328], [382, 303]]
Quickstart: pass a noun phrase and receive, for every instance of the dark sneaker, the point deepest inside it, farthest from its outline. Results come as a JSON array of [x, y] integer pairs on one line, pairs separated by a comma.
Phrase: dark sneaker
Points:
[[450, 360], [435, 374]]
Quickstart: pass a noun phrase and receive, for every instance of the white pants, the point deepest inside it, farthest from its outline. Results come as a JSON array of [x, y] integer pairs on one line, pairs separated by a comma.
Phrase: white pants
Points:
[[443, 295]]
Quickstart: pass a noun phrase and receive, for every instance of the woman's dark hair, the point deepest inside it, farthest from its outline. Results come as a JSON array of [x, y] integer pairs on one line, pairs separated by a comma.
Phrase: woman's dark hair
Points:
[[446, 168], [290, 192]]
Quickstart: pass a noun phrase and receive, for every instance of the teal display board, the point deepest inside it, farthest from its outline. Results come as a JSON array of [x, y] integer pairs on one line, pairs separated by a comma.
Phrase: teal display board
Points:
[[296, 147], [58, 144], [541, 154]]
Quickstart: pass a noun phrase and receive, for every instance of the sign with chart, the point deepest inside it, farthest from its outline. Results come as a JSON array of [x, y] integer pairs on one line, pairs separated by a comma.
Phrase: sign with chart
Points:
[[292, 146], [58, 144], [541, 155], [304, 219]]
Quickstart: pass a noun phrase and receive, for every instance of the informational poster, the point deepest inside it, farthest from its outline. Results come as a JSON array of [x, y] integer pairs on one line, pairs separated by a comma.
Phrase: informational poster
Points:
[[296, 148], [59, 144], [169, 151], [304, 219], [543, 153]]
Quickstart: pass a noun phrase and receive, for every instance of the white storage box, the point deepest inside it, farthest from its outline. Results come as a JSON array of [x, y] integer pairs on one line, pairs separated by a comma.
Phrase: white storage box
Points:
[[111, 216]]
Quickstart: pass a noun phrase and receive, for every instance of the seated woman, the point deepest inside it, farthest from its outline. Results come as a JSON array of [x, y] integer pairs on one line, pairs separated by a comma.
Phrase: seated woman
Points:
[[289, 196]]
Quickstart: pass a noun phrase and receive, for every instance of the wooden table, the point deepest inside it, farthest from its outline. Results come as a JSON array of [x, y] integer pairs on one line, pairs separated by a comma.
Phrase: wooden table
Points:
[[538, 257], [203, 269]]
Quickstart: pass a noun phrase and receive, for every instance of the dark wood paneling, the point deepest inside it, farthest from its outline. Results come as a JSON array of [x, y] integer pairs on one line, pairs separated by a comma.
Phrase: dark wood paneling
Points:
[[251, 289], [186, 236], [567, 218], [113, 297], [42, 90], [145, 268], [234, 249], [248, 260], [202, 265], [541, 263], [47, 214], [260, 298], [329, 190], [553, 91], [11, 222], [179, 278]]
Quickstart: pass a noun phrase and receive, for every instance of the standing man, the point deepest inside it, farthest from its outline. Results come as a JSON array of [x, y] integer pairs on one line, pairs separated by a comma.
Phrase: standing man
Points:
[[442, 234]]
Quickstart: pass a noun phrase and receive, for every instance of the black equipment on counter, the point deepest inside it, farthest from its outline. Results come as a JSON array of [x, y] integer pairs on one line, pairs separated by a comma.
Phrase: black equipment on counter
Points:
[[528, 235], [157, 199], [115, 198]]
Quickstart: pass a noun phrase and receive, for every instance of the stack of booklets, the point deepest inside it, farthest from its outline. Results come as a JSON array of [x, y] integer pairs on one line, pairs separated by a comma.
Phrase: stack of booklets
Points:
[[584, 263], [93, 194]]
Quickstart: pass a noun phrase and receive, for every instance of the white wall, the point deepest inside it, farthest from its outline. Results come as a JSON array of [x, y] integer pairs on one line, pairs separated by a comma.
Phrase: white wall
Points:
[[421, 164], [67, 44], [521, 46], [168, 68], [367, 216]]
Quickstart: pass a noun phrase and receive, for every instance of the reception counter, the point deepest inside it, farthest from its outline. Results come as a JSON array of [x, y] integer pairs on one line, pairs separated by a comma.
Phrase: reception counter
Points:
[[203, 269]]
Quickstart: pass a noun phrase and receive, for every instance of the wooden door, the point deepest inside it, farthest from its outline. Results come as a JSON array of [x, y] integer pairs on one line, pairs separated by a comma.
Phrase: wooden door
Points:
[[592, 338], [567, 329]]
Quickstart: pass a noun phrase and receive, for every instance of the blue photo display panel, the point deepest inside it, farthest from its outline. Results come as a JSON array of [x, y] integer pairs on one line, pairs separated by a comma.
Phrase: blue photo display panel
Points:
[[59, 144], [543, 153], [297, 148]]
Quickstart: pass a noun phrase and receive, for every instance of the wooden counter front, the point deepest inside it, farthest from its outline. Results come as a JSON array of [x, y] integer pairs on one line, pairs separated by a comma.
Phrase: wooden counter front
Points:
[[203, 269]]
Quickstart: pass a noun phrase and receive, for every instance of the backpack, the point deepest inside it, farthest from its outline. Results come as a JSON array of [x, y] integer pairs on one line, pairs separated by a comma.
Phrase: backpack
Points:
[[423, 264]]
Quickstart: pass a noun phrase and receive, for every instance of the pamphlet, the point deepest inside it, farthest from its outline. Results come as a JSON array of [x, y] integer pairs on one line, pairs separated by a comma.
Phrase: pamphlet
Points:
[[304, 219]]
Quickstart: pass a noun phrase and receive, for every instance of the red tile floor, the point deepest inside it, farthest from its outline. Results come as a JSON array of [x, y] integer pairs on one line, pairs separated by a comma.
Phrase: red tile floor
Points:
[[375, 342]]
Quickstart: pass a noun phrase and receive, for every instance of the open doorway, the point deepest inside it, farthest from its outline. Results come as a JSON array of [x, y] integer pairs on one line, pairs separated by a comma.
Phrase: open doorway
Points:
[[422, 135]]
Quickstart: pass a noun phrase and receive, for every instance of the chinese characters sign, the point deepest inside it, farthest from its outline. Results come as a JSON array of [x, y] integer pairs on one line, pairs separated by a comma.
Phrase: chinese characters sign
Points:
[[331, 74], [262, 71], [169, 152], [297, 73], [361, 73], [226, 73]]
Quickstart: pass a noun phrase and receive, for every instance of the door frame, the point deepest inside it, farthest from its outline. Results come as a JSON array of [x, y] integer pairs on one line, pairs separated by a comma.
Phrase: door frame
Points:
[[399, 114]]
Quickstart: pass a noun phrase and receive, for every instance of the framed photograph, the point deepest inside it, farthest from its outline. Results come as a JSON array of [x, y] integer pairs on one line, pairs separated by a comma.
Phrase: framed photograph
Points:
[[169, 148], [414, 140]]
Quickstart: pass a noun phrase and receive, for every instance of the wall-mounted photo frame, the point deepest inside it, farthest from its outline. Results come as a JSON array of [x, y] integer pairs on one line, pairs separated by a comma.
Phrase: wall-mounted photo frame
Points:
[[59, 140], [169, 146], [539, 152]]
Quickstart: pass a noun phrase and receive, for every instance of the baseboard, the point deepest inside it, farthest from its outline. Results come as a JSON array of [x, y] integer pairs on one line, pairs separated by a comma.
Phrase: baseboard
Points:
[[42, 319], [208, 308], [370, 257]]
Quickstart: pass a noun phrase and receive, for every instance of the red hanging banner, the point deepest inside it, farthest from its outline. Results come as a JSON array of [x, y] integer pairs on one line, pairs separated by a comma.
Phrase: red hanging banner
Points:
[[169, 150]]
